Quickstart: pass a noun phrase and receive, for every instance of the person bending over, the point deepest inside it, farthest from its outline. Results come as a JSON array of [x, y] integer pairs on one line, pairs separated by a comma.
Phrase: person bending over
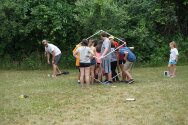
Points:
[[130, 58], [56, 56]]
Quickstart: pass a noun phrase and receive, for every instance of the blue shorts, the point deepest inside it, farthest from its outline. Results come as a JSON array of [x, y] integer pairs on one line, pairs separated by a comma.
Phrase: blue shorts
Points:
[[93, 61], [172, 62], [106, 65]]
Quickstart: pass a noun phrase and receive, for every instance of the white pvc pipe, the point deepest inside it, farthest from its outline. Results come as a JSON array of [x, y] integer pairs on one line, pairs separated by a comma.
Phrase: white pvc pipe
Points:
[[94, 34]]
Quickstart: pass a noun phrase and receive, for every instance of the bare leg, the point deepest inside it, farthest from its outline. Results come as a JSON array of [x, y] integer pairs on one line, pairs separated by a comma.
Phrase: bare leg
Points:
[[109, 76], [87, 74], [59, 71], [123, 72], [106, 76], [54, 69], [170, 69], [173, 70], [82, 76], [128, 74], [79, 76], [99, 73], [127, 68], [92, 70]]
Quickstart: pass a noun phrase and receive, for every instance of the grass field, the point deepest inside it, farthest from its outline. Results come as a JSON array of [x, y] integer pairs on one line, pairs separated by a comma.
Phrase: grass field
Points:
[[61, 101]]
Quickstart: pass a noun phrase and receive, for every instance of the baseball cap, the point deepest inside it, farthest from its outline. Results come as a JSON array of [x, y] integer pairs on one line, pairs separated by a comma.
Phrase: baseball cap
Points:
[[111, 37]]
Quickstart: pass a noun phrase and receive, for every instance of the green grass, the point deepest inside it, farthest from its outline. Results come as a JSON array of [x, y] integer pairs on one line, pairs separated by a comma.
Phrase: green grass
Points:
[[159, 100]]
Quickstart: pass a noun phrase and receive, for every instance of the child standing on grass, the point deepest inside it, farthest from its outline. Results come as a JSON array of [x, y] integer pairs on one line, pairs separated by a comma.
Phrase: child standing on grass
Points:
[[77, 61], [173, 59], [114, 63], [98, 69], [85, 54], [93, 60], [106, 57]]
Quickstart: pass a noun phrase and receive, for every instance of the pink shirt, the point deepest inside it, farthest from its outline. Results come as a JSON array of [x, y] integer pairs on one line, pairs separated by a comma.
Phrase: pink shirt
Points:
[[98, 55]]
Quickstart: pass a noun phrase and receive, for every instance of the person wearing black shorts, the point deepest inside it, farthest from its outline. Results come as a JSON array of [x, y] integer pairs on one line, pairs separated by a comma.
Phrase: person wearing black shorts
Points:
[[93, 60], [85, 54]]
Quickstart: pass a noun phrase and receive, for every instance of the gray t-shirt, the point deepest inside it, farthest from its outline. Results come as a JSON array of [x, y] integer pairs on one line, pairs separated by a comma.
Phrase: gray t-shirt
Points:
[[106, 44], [85, 53], [113, 55]]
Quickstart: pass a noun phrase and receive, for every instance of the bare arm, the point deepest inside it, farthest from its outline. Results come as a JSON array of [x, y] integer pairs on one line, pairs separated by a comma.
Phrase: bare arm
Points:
[[92, 53], [75, 54], [94, 50], [48, 57]]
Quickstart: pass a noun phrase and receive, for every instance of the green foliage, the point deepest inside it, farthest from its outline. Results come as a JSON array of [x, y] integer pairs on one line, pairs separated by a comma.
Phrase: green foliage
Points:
[[148, 25]]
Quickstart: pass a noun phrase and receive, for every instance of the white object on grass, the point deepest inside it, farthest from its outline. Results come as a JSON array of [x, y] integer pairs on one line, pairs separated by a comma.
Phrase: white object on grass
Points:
[[113, 86], [166, 73], [23, 96], [48, 75], [130, 99]]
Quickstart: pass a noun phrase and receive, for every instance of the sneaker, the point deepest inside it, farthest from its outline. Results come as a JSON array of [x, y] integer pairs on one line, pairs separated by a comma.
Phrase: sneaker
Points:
[[126, 81], [105, 81], [65, 73], [130, 81], [109, 82]]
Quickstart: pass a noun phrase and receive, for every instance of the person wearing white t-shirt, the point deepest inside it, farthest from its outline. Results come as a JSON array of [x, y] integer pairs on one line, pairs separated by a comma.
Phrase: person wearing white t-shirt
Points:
[[56, 56], [173, 59], [85, 54]]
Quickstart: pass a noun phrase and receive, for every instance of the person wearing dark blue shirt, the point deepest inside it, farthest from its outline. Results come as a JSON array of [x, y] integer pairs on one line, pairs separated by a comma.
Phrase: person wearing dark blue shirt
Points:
[[130, 58]]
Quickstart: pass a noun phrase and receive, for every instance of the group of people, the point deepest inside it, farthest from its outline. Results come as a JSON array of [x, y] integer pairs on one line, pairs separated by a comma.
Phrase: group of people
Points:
[[96, 59], [102, 58]]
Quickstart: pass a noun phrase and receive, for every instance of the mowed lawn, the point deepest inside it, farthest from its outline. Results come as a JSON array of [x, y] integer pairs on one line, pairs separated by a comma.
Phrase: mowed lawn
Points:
[[61, 101]]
